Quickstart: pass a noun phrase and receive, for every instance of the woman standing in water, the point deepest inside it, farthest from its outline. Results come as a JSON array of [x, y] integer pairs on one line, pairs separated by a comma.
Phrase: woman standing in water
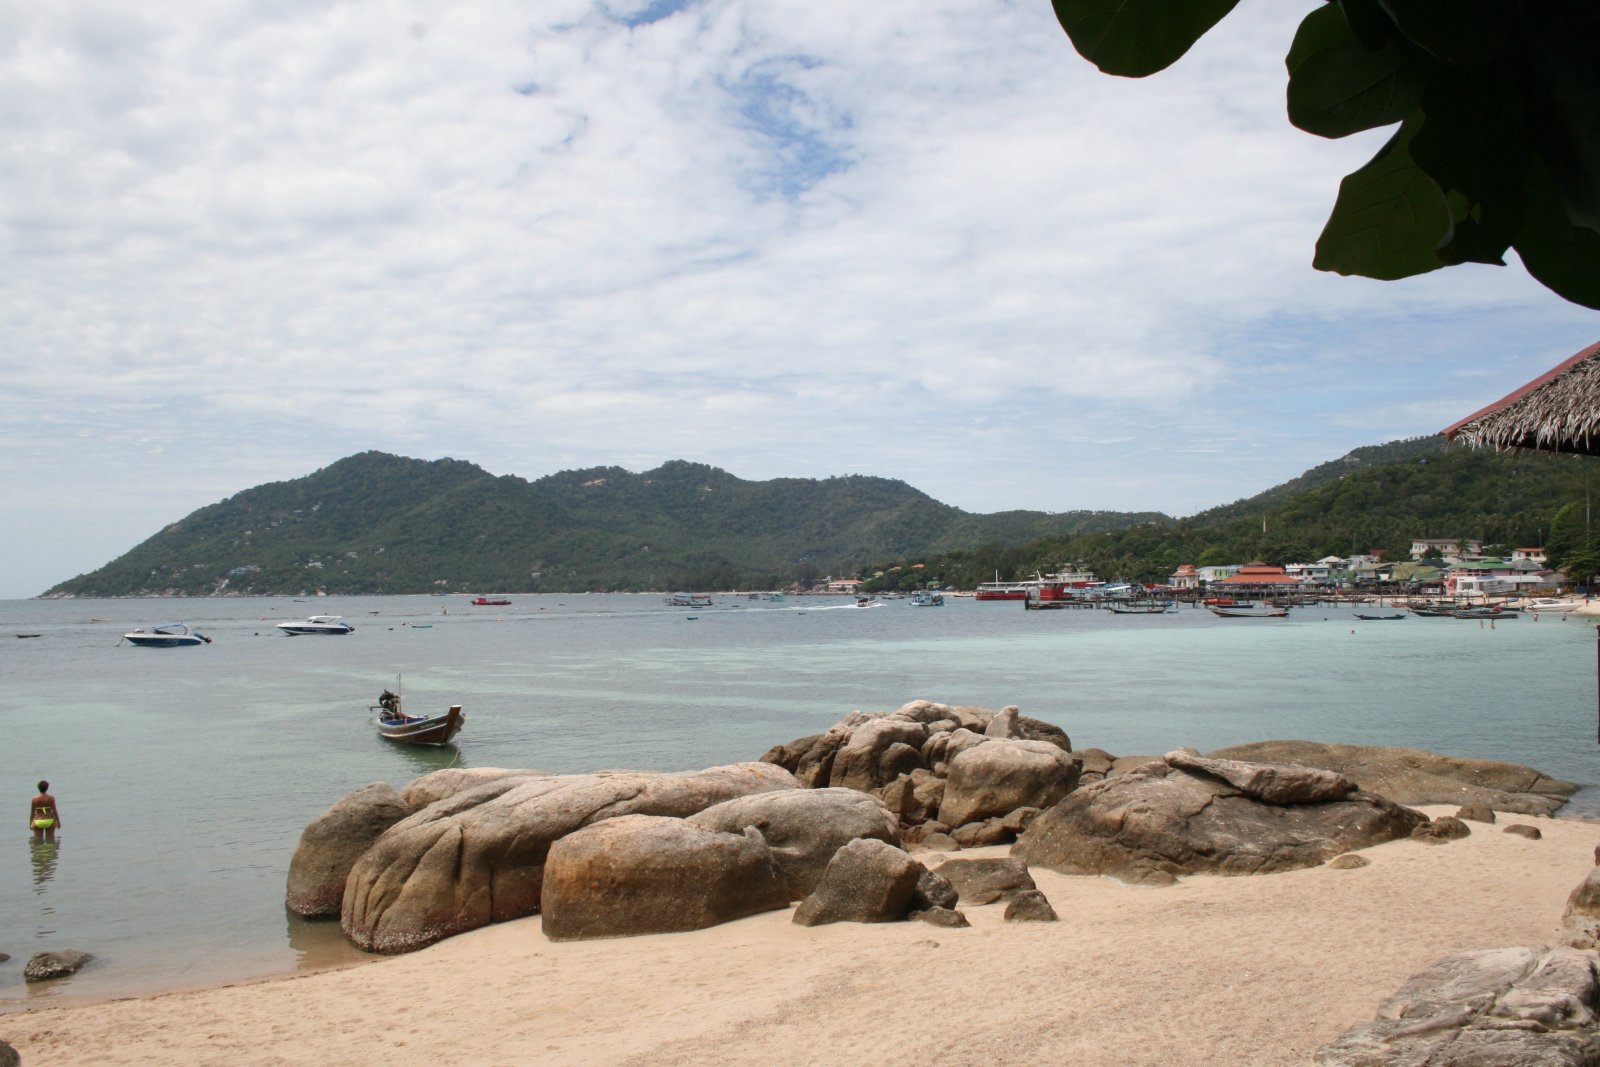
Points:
[[43, 815]]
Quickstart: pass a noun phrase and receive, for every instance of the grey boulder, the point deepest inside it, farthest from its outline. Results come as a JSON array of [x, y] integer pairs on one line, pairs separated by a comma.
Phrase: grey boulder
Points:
[[1159, 821], [867, 881]]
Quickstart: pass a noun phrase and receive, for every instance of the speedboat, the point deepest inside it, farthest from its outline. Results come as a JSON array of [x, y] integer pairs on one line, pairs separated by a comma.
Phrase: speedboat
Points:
[[317, 624], [1553, 605], [169, 635]]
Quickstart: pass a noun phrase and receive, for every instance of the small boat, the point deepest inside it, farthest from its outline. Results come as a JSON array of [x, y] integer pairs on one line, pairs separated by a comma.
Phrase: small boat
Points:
[[1379, 618], [863, 602], [1552, 605], [169, 635], [395, 725], [927, 600], [1483, 613], [1248, 613], [689, 600], [318, 624], [490, 602], [1433, 613]]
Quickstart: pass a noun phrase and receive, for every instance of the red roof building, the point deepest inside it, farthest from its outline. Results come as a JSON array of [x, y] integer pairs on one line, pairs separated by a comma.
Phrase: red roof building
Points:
[[1259, 574]]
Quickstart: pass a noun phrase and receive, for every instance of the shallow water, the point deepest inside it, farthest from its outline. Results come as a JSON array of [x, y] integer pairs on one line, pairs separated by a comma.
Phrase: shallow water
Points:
[[186, 775]]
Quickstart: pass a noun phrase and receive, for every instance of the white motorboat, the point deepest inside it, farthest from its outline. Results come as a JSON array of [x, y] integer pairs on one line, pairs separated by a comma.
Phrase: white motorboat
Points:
[[317, 624], [1555, 605], [168, 635]]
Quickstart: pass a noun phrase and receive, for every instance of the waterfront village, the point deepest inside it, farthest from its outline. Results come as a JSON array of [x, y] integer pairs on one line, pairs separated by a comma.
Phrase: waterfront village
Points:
[[1451, 568]]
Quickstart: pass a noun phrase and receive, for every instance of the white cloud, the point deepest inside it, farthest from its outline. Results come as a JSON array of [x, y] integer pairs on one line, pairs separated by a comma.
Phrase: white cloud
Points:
[[923, 240]]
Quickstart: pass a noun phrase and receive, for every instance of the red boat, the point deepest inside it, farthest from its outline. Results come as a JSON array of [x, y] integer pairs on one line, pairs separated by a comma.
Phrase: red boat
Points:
[[486, 602]]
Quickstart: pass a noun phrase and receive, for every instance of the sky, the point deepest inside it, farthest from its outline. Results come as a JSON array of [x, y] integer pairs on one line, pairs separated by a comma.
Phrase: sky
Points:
[[918, 239]]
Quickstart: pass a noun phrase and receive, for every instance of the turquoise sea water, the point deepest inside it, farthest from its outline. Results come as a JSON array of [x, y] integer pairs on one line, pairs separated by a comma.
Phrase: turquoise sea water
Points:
[[186, 775]]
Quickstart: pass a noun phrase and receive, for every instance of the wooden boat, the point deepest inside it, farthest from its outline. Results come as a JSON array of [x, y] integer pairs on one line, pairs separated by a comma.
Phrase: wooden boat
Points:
[[1248, 613], [395, 725], [1379, 618], [1483, 613]]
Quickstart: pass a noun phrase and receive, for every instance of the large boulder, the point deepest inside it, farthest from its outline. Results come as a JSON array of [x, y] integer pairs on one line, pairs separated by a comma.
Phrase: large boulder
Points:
[[1416, 777], [1159, 821], [875, 753], [442, 784], [1000, 775], [332, 843], [1533, 1007], [804, 827], [868, 881], [478, 856], [987, 879], [1581, 921], [647, 874]]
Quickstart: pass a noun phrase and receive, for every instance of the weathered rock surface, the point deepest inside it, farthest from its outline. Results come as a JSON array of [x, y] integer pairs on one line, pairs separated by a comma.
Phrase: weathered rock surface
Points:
[[9, 1056], [986, 880], [1476, 813], [1532, 1007], [946, 917], [804, 827], [1149, 825], [1273, 783], [1349, 862], [934, 890], [44, 966], [1581, 920], [1444, 829], [442, 784], [1532, 833], [995, 778], [1414, 777], [867, 882], [649, 874], [478, 856], [332, 843], [1030, 906]]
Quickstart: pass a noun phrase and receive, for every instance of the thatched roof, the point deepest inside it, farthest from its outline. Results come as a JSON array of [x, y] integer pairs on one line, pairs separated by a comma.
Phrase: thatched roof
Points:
[[1559, 411]]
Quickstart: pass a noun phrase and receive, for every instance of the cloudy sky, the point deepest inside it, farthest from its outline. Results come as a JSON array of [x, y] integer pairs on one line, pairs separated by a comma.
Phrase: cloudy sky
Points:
[[921, 239]]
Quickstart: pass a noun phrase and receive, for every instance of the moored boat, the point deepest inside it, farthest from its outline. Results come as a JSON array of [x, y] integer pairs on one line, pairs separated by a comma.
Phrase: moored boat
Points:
[[1248, 613], [490, 602], [318, 624], [168, 635], [689, 600], [1553, 605], [925, 599], [395, 725], [1379, 618]]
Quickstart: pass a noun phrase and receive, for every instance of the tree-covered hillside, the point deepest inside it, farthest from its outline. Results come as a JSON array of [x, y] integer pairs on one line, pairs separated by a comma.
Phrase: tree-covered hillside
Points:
[[377, 523]]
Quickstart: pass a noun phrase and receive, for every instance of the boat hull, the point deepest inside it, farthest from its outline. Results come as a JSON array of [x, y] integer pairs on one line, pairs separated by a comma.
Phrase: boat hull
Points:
[[162, 640], [408, 730]]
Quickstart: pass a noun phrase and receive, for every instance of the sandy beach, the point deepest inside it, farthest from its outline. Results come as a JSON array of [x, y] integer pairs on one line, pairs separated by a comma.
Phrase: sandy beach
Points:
[[1250, 970]]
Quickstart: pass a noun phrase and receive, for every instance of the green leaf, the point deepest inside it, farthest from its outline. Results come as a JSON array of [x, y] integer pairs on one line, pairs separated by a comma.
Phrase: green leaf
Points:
[[1136, 38], [1389, 218], [1470, 144], [1456, 31], [1338, 86], [1564, 257], [1558, 54], [1369, 21]]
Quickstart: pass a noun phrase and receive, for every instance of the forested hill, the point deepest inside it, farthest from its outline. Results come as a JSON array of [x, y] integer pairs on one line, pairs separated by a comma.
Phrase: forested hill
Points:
[[1376, 498], [378, 523]]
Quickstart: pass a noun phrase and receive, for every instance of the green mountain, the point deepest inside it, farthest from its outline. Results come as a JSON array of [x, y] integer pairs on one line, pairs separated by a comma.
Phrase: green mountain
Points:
[[1373, 499], [378, 523]]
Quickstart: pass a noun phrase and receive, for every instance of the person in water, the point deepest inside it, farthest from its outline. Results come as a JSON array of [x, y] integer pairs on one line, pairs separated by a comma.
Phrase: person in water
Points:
[[43, 815]]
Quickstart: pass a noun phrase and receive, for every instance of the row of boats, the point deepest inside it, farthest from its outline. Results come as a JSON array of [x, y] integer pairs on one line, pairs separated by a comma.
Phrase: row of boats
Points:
[[180, 634]]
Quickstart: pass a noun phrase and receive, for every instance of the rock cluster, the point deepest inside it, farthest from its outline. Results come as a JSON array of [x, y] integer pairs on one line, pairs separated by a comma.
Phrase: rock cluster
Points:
[[954, 776]]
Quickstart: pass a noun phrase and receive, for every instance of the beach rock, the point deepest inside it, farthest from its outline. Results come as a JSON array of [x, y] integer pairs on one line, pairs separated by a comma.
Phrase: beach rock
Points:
[[478, 857], [1160, 821], [442, 784], [986, 880], [1580, 922], [979, 834], [1477, 813], [4, 956], [867, 882], [1030, 906], [1532, 1007], [875, 753], [1096, 763], [650, 874], [914, 797], [1415, 777], [999, 776], [332, 843], [1020, 819], [9, 1057], [804, 827], [1271, 783], [1030, 729], [946, 917], [1349, 862], [941, 748], [1004, 723], [1441, 830], [815, 765], [1532, 833], [44, 966], [934, 890], [939, 842]]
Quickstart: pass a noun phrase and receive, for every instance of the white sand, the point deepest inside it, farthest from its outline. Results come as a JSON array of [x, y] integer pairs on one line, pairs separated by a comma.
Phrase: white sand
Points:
[[1252, 970]]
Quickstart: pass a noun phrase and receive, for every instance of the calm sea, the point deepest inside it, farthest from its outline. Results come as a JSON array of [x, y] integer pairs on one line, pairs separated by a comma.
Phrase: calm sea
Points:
[[186, 775]]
